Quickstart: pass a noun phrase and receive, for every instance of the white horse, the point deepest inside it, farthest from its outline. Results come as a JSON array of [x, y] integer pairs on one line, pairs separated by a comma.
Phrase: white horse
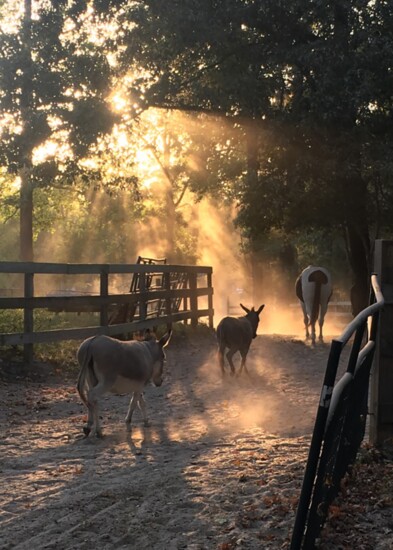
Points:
[[314, 290]]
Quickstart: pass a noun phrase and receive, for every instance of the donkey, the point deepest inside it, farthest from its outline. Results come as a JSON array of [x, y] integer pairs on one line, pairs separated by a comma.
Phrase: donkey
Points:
[[314, 290], [237, 334], [118, 366]]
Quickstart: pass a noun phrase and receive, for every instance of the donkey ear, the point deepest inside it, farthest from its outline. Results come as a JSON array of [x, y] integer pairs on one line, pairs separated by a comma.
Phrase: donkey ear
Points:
[[245, 308], [164, 340], [260, 309]]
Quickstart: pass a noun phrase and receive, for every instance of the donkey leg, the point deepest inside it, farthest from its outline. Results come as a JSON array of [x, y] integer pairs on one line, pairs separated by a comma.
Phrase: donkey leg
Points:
[[132, 406], [93, 423], [90, 419], [230, 354], [221, 359], [243, 363], [142, 406]]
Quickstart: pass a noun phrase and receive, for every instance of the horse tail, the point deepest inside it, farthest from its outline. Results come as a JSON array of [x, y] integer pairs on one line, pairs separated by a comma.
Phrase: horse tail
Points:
[[298, 288], [319, 278], [86, 378]]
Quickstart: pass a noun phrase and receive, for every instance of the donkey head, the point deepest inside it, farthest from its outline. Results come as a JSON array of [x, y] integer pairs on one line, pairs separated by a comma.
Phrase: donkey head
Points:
[[253, 317], [158, 354]]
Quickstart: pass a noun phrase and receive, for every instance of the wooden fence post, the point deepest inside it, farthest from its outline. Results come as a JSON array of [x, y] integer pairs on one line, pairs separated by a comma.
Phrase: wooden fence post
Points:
[[185, 299], [194, 300], [28, 317], [381, 387], [104, 291], [210, 299], [168, 301], [142, 302]]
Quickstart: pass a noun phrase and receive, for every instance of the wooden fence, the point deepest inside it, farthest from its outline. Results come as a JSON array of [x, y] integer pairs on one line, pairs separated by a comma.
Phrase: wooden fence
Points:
[[177, 304]]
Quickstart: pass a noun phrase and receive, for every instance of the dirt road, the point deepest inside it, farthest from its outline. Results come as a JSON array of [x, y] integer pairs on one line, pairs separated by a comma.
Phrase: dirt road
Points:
[[220, 467]]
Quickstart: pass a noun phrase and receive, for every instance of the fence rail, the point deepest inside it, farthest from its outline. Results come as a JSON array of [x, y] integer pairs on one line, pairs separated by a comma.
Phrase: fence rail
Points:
[[153, 306], [340, 423]]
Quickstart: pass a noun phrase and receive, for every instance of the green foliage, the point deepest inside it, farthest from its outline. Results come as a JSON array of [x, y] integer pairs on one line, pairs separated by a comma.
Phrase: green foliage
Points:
[[11, 320]]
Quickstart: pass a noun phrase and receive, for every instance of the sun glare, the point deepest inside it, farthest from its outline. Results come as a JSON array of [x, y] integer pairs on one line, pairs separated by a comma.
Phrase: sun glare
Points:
[[121, 137], [118, 101], [15, 185], [44, 151], [50, 149]]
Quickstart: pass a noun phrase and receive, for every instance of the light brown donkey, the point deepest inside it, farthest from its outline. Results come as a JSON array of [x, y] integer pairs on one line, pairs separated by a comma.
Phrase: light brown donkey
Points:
[[109, 365]]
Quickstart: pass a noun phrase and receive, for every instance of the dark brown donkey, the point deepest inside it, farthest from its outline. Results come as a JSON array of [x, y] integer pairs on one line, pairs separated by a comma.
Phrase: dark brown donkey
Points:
[[236, 333]]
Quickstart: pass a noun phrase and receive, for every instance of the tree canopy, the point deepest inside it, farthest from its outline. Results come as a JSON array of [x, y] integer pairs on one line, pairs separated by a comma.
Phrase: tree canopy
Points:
[[310, 83], [301, 90]]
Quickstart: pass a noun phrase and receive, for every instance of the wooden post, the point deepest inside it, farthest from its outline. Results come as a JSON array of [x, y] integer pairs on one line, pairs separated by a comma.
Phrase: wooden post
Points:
[[104, 291], [210, 299], [142, 302], [193, 300], [168, 301], [185, 299], [28, 320], [381, 387]]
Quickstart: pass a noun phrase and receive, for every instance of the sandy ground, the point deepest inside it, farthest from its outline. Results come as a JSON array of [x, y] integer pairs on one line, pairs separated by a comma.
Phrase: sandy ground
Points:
[[220, 467]]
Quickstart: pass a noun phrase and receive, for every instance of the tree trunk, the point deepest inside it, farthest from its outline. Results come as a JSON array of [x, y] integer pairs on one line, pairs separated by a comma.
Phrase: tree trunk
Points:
[[257, 273], [26, 217], [358, 240], [169, 201], [353, 187], [26, 189], [358, 251]]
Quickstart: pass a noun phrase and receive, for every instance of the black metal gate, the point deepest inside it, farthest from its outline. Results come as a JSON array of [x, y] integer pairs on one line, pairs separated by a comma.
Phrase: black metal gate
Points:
[[340, 423]]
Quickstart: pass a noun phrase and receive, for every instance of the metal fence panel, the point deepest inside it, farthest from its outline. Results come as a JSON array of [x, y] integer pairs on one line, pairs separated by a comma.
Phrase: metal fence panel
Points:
[[340, 424]]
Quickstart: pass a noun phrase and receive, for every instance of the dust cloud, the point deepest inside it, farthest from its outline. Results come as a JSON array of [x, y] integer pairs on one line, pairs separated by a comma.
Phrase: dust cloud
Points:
[[216, 243], [219, 246]]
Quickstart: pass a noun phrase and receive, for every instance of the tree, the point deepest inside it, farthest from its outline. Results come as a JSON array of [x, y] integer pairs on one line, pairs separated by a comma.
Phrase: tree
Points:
[[309, 83], [54, 81], [320, 172]]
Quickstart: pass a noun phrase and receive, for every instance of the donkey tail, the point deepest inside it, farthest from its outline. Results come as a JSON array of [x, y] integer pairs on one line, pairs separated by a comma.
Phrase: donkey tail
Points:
[[319, 278], [86, 378]]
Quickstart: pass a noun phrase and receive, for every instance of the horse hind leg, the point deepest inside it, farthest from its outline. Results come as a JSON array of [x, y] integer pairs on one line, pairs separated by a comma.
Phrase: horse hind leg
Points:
[[306, 320], [322, 320], [313, 334], [306, 325], [320, 336]]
